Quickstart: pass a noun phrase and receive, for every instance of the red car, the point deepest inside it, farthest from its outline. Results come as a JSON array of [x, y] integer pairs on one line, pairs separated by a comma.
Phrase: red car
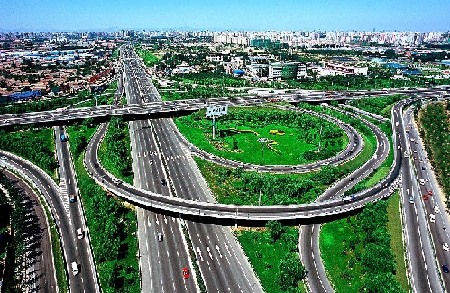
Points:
[[430, 192], [425, 196], [186, 273]]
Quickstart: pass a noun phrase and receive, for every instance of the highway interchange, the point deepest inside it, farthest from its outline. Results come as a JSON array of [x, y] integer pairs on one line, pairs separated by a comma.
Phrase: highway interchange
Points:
[[173, 198]]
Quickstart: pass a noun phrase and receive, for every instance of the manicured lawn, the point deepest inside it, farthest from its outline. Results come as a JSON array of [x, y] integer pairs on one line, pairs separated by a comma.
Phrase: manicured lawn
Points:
[[237, 138]]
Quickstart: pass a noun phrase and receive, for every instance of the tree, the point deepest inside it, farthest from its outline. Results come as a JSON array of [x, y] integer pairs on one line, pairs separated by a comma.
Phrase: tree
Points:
[[275, 229], [291, 271]]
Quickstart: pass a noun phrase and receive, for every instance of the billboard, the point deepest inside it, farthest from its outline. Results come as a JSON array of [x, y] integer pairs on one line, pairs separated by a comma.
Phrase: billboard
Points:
[[216, 110]]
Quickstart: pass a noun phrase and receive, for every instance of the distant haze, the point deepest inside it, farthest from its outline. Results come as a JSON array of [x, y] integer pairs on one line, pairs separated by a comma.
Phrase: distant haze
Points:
[[256, 15]]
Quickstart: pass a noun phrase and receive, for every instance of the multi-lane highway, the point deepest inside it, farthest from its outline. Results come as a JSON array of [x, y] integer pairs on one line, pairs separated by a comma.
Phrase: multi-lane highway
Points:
[[87, 276], [424, 211], [171, 170]]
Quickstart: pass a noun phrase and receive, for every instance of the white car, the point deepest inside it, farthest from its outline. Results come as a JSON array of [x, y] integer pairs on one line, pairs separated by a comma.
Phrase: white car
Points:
[[445, 246], [432, 218]]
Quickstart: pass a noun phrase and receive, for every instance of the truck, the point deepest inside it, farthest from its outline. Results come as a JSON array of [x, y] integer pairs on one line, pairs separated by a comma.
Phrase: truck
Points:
[[63, 137]]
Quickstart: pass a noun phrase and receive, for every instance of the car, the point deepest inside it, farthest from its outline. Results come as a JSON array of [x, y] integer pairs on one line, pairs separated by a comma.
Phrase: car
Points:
[[348, 199], [445, 246], [432, 218], [445, 268], [425, 197], [430, 192], [160, 236], [351, 179], [411, 199], [422, 181], [72, 198], [74, 266], [163, 182], [80, 233], [96, 165], [3, 158], [185, 273], [436, 209], [423, 168]]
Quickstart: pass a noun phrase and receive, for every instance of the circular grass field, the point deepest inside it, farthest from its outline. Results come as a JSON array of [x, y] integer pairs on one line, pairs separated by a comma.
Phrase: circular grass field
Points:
[[264, 136]]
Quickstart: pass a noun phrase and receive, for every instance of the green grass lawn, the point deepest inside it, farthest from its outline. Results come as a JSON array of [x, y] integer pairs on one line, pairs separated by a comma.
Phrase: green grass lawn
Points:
[[237, 139], [265, 255], [36, 145], [342, 269], [395, 230]]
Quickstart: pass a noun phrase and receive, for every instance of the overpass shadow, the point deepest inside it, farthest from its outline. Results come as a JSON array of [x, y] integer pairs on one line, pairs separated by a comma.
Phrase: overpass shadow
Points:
[[253, 223]]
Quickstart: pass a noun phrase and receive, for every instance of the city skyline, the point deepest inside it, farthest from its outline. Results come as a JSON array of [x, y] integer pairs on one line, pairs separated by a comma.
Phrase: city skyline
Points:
[[231, 15]]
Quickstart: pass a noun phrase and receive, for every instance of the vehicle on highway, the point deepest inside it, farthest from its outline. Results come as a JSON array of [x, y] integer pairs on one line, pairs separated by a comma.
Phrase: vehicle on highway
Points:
[[72, 198], [411, 199], [75, 270], [430, 192], [160, 236], [63, 137], [445, 268], [406, 154], [185, 273], [436, 209], [96, 165], [80, 233], [445, 246], [422, 181], [348, 199], [163, 182], [432, 218]]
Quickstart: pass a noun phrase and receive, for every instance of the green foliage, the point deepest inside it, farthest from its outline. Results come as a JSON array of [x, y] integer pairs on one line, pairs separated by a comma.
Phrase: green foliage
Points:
[[381, 106], [148, 57], [212, 79], [241, 128], [275, 229], [112, 226], [291, 272], [434, 120], [364, 242], [35, 145], [115, 152], [266, 256]]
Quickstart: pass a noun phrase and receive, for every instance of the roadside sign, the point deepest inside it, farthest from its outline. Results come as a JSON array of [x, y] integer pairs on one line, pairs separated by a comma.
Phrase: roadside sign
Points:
[[216, 110]]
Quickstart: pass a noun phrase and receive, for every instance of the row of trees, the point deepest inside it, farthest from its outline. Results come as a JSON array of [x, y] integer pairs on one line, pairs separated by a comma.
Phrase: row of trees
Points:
[[26, 236], [435, 129], [290, 270], [275, 189], [378, 106], [45, 105], [375, 254]]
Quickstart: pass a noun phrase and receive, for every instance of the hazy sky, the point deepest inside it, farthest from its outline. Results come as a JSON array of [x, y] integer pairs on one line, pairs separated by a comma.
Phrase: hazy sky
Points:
[[42, 15]]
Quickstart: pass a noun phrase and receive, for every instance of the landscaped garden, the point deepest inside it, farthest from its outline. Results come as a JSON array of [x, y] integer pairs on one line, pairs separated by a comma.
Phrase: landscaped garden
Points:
[[265, 136]]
